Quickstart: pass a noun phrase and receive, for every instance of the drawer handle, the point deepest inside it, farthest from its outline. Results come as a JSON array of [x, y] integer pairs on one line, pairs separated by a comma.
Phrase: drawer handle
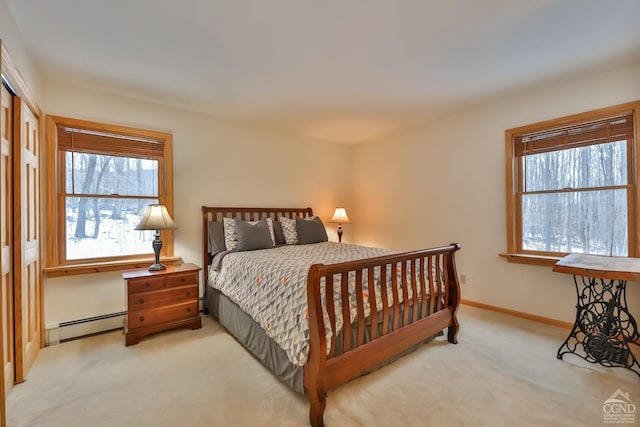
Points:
[[141, 301], [147, 284], [182, 279], [188, 309], [188, 293], [142, 318]]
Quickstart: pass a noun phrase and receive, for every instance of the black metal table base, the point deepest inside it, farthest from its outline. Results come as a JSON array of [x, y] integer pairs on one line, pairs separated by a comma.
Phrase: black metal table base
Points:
[[604, 328]]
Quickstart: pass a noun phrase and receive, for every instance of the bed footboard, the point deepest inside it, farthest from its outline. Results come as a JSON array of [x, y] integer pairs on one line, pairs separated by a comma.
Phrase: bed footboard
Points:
[[399, 301]]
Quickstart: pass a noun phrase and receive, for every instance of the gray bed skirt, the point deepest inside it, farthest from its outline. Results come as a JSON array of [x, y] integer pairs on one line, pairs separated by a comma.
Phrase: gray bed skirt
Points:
[[251, 335]]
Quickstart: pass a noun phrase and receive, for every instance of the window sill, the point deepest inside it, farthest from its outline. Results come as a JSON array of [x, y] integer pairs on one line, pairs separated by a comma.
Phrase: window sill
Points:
[[547, 261], [101, 267]]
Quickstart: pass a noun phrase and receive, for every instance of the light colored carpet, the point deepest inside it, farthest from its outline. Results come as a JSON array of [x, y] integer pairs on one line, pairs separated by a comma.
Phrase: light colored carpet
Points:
[[503, 372]]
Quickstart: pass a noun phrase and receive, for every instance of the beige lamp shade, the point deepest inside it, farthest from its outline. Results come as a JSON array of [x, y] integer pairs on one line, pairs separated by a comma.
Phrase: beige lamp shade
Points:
[[340, 216], [156, 218]]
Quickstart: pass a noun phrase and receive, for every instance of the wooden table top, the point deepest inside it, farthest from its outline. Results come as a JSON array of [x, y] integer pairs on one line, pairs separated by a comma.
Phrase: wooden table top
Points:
[[599, 266], [171, 268]]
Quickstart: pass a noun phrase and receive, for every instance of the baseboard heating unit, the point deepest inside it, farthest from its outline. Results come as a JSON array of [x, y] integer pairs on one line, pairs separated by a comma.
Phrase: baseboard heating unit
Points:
[[80, 328]]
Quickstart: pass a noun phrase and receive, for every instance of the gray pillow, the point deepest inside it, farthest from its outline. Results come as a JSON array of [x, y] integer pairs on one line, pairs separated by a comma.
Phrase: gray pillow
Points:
[[251, 237], [310, 231], [216, 237]]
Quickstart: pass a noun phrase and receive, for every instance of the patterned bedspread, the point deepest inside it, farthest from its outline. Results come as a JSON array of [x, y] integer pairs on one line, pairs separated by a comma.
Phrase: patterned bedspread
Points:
[[270, 285]]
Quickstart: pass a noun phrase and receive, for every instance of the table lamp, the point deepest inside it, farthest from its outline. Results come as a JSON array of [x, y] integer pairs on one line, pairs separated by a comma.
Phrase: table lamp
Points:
[[156, 218], [340, 217]]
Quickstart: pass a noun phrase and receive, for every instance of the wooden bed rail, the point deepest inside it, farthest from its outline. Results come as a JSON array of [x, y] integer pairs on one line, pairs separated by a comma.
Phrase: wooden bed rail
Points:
[[399, 300]]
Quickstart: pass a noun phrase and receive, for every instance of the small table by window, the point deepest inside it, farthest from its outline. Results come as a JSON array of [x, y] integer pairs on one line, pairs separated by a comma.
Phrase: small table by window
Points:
[[604, 328]]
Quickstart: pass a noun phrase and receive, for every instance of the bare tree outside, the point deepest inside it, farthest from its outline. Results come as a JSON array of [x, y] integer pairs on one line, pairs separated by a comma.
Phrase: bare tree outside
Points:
[[575, 200], [106, 197]]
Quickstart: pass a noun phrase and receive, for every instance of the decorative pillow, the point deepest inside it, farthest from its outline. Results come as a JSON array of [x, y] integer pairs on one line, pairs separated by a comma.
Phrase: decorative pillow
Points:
[[289, 230], [310, 230], [231, 237], [216, 237], [277, 233], [253, 236]]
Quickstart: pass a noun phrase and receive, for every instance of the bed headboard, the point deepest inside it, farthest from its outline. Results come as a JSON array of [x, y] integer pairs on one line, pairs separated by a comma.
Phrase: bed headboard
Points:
[[214, 213]]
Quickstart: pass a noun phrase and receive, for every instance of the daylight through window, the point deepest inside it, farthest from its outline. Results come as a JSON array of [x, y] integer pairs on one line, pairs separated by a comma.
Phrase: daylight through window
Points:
[[107, 177], [573, 186]]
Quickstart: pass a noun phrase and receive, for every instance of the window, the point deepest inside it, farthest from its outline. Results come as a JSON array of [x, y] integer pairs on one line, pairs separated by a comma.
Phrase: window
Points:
[[102, 178], [572, 185]]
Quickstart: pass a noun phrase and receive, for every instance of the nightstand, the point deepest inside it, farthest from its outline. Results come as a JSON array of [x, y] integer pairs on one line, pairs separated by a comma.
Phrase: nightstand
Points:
[[160, 300]]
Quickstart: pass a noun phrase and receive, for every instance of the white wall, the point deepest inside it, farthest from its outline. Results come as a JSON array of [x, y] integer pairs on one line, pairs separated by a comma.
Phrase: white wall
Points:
[[14, 45], [215, 162], [445, 183]]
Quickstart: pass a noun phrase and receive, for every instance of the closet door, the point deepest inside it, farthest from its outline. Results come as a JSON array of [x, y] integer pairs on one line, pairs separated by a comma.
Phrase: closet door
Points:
[[6, 236], [27, 276]]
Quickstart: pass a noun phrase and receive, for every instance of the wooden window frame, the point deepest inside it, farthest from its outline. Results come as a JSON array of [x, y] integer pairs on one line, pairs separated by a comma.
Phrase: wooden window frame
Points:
[[57, 264], [514, 252]]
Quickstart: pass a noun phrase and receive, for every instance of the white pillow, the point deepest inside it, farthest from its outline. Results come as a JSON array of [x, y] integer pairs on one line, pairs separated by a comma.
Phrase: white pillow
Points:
[[231, 236]]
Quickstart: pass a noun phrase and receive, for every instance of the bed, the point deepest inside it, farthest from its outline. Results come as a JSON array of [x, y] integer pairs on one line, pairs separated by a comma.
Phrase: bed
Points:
[[320, 313]]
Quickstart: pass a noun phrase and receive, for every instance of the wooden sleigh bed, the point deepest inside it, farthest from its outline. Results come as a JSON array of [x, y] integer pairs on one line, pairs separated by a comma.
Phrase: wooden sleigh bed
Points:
[[373, 325]]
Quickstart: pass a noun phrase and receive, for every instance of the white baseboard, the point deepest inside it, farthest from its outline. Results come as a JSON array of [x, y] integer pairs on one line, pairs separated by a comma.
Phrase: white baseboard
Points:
[[55, 333], [65, 331]]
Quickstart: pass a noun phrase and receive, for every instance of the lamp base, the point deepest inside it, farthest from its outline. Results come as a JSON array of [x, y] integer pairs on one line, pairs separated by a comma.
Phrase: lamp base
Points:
[[157, 245], [157, 267]]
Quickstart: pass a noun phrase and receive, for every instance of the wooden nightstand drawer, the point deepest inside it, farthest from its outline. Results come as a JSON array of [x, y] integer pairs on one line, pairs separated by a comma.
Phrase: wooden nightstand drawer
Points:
[[157, 283], [156, 316], [182, 280], [161, 298], [145, 284]]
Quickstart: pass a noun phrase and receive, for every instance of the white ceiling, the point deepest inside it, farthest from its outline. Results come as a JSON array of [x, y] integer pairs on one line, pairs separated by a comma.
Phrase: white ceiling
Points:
[[339, 70]]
